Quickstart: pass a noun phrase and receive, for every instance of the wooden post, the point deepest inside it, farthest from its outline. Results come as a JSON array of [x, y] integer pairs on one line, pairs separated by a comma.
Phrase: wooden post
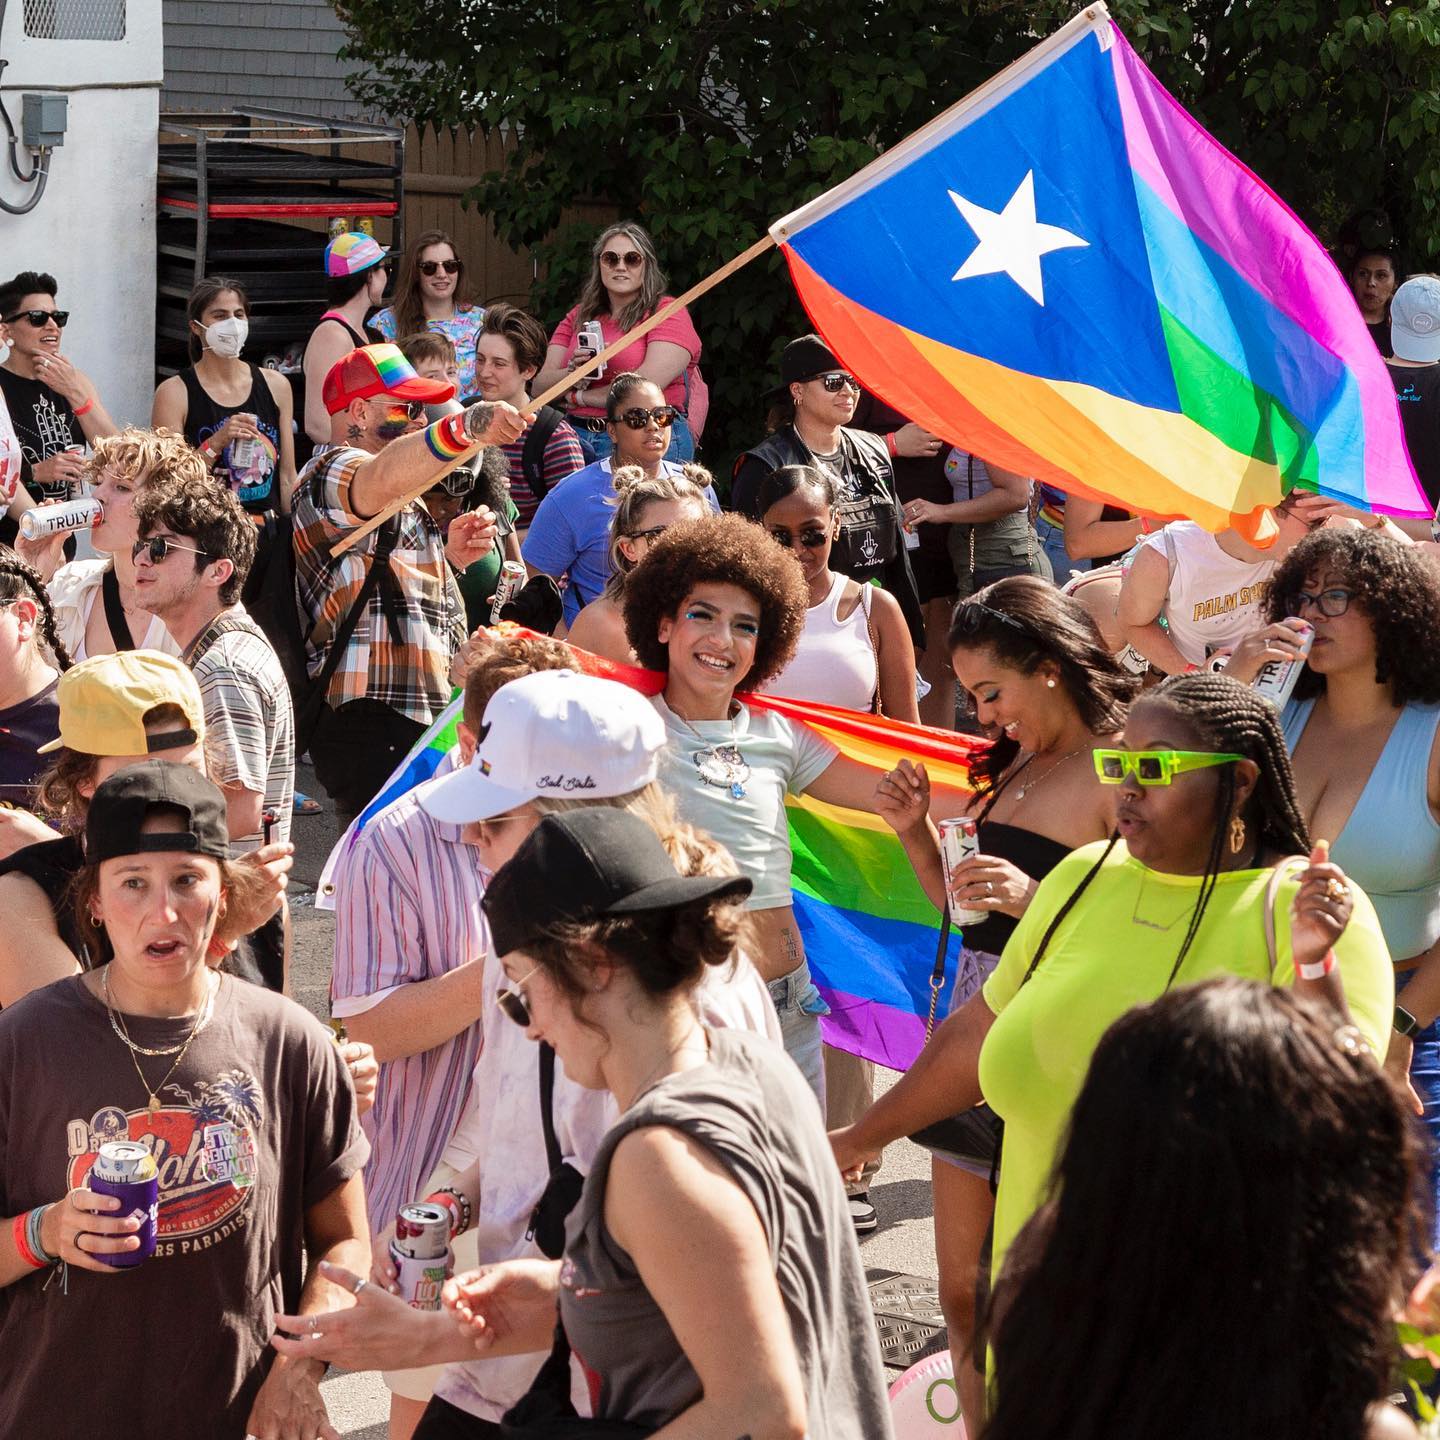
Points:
[[561, 386]]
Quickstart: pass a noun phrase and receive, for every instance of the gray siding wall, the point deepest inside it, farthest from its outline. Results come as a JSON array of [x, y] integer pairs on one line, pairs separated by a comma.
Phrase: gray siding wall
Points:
[[280, 53]]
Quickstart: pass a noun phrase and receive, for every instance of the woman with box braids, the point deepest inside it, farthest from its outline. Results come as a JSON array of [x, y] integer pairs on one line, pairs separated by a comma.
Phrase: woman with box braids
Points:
[[20, 581], [1191, 885], [31, 656]]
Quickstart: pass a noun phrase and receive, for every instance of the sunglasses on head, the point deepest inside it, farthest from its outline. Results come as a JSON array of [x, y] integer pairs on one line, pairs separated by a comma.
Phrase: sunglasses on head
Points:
[[1331, 603], [430, 267], [1155, 767], [972, 614], [513, 1003], [638, 419], [810, 538], [631, 258], [159, 546], [38, 318], [836, 381]]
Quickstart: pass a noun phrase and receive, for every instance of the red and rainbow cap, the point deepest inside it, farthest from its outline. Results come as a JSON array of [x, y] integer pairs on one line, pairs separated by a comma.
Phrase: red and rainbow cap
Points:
[[379, 370], [351, 253]]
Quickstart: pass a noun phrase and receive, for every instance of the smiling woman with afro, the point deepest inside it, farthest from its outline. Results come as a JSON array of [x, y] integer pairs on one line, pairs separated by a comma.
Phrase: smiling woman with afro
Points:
[[718, 550]]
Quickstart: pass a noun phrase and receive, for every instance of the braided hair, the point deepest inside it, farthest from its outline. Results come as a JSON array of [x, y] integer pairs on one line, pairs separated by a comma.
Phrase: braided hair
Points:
[[20, 581], [1229, 716]]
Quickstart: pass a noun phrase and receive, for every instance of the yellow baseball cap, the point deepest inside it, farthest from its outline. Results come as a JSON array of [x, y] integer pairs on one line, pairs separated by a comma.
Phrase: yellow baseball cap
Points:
[[104, 702]]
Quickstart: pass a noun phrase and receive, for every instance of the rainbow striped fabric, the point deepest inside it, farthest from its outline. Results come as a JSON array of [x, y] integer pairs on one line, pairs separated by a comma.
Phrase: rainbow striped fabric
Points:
[[870, 934], [1065, 274]]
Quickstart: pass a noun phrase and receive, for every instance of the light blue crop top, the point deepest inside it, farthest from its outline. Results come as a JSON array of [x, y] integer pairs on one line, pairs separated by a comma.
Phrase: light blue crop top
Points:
[[1390, 845]]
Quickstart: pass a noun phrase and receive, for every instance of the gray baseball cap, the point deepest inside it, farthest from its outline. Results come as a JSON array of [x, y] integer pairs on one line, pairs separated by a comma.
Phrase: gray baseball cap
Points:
[[1415, 319]]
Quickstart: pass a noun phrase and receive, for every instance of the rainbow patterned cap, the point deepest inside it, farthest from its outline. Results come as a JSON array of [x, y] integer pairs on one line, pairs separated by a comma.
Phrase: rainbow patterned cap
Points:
[[351, 253], [379, 370]]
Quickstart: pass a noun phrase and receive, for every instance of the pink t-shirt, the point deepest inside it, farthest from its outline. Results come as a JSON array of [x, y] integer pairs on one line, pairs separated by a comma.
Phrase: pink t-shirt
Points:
[[679, 329]]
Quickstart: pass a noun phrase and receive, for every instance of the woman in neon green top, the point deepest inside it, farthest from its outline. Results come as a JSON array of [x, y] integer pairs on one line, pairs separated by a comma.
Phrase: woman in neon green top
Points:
[[1177, 895]]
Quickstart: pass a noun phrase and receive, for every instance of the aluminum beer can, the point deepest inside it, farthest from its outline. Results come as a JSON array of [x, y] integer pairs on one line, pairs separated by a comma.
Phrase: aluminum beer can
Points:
[[1132, 661], [127, 1169], [507, 587], [959, 840], [61, 519], [1277, 678], [339, 225], [421, 1252]]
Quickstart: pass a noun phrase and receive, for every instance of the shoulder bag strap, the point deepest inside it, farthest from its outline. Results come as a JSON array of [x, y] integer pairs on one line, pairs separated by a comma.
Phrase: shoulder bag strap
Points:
[[532, 456], [220, 625], [115, 611], [865, 599], [553, 1153]]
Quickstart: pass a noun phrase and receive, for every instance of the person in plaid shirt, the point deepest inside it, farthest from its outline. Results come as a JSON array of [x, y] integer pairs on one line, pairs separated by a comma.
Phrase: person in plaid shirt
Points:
[[392, 680]]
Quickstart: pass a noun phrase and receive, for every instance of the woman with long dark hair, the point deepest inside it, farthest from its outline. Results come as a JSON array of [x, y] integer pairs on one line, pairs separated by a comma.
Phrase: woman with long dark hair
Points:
[[31, 659], [1186, 888], [433, 294], [1226, 1238], [625, 286]]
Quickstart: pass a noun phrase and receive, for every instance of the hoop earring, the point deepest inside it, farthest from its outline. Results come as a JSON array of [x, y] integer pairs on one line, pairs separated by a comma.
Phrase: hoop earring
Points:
[[1237, 834], [95, 920]]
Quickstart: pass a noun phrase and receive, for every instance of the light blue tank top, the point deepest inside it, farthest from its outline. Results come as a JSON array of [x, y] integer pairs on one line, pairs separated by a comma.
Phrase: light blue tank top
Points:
[[1390, 845]]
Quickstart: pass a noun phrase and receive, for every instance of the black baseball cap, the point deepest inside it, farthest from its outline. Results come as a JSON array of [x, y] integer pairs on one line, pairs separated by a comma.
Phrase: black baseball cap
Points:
[[803, 359], [588, 864], [122, 804]]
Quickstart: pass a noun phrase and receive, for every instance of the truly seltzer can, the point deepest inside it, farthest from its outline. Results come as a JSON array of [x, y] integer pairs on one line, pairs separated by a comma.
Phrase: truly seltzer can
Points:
[[507, 587], [1277, 678], [421, 1252], [127, 1169], [959, 840], [46, 520]]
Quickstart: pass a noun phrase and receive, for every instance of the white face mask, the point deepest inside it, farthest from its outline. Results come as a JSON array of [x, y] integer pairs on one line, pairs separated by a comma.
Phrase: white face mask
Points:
[[227, 337]]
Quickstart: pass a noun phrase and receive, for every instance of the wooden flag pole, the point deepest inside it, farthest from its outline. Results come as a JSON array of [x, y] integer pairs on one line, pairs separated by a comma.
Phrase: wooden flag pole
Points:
[[561, 386]]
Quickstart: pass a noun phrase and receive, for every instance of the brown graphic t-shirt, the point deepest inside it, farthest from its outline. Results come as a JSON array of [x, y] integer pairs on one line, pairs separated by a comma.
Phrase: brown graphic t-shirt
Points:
[[257, 1124]]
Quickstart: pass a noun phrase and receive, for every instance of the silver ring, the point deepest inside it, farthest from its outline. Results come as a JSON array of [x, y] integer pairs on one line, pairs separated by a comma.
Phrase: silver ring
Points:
[[314, 1323], [360, 1284], [989, 887]]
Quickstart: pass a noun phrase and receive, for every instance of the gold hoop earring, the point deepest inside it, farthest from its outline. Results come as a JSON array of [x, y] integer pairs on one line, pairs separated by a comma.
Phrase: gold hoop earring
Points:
[[95, 920], [1237, 834]]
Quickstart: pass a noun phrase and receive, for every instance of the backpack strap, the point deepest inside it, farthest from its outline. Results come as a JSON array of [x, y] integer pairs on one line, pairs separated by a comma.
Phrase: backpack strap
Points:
[[220, 625], [532, 457], [115, 611]]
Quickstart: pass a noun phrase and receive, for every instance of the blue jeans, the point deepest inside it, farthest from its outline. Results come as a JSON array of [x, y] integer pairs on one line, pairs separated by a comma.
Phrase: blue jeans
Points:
[[1425, 1077], [1052, 542], [596, 443], [798, 1004]]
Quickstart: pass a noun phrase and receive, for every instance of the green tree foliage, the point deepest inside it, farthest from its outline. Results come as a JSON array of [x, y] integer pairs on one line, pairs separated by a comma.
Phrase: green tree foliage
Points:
[[708, 119]]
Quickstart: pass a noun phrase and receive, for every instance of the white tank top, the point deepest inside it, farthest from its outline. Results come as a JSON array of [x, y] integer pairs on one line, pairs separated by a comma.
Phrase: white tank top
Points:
[[1214, 601], [835, 661]]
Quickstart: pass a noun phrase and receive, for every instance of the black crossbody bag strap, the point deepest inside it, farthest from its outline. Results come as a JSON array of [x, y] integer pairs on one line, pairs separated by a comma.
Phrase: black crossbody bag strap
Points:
[[115, 611]]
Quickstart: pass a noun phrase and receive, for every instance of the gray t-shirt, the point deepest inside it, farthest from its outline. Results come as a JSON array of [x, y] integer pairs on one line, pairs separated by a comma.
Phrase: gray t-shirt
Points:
[[751, 1109]]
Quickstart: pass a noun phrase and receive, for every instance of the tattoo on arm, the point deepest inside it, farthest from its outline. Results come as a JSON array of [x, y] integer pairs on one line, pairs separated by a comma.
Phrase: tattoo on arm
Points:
[[478, 418]]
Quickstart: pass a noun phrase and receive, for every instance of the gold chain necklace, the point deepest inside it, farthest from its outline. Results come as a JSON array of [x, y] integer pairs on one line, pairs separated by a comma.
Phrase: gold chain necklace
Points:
[[1034, 780], [202, 1019]]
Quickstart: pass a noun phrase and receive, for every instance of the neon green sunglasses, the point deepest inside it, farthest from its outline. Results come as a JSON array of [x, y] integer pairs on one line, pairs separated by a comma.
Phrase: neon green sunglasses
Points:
[[1155, 767]]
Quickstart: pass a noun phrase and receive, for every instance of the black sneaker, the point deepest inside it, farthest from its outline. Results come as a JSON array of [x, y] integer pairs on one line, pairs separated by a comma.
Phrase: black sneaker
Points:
[[862, 1214]]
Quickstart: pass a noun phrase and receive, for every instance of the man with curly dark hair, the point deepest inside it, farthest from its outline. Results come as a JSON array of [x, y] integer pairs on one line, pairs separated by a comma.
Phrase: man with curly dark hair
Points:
[[718, 605], [1362, 730]]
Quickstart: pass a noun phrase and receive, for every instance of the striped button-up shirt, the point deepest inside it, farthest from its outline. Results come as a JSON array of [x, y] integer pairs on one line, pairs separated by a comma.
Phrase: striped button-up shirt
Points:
[[411, 676], [407, 910]]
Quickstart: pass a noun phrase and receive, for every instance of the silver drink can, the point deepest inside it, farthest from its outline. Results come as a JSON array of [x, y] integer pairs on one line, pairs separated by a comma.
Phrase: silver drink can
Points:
[[1277, 678], [1132, 662], [959, 840], [61, 519], [421, 1253], [592, 339], [507, 587]]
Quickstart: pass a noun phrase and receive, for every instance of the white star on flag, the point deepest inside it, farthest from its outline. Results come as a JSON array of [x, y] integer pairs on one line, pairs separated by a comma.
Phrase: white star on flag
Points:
[[1012, 240]]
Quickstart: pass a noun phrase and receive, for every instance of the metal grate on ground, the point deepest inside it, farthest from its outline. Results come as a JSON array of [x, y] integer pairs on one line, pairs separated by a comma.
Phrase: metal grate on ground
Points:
[[75, 19], [908, 1318]]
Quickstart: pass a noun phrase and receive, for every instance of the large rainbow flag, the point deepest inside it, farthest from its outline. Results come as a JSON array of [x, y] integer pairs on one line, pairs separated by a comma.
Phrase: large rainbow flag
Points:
[[870, 934], [1065, 274]]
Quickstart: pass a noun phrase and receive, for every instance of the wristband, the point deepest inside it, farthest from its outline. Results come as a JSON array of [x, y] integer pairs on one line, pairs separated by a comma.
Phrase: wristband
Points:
[[447, 438], [19, 1233], [1191, 670], [891, 446], [85, 409], [1405, 1022], [1145, 526], [32, 1236], [1319, 969]]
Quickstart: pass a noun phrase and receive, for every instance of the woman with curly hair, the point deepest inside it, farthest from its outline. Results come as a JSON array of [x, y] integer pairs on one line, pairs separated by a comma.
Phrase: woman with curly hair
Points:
[[719, 606], [1190, 885], [433, 295], [31, 658], [1362, 729], [1169, 1221]]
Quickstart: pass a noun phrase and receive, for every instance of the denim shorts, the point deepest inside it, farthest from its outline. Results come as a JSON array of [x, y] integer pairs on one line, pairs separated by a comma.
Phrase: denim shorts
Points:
[[799, 1006], [972, 1138]]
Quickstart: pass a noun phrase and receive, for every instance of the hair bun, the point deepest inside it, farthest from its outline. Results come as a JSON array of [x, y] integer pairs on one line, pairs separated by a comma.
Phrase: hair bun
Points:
[[626, 478]]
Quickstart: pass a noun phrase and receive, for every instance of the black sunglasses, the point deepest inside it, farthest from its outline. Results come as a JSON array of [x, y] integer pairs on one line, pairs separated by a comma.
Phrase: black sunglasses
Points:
[[972, 615], [810, 539], [159, 546], [429, 267], [38, 318], [513, 1004], [836, 381], [638, 419], [632, 258], [653, 533]]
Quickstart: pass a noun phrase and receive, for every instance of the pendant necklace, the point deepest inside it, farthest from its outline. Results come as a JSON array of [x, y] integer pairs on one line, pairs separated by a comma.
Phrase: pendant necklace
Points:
[[1034, 780], [202, 1019], [722, 766]]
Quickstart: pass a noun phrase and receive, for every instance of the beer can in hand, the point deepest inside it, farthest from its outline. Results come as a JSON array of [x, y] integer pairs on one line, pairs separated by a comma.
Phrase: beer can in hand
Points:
[[46, 520], [959, 840], [507, 587], [127, 1170], [421, 1253], [1277, 678]]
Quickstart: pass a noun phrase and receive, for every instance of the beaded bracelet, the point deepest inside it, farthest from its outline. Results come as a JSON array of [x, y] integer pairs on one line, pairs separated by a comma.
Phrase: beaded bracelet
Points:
[[447, 438], [458, 1203]]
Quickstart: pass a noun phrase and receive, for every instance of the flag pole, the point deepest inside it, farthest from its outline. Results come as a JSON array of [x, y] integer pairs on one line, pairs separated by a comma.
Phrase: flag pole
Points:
[[561, 386]]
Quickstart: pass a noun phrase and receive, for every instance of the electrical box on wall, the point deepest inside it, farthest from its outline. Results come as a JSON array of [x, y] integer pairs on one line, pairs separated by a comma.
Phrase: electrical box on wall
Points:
[[42, 120]]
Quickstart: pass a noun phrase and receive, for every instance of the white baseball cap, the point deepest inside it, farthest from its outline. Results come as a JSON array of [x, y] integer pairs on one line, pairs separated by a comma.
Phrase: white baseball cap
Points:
[[1415, 319], [555, 733]]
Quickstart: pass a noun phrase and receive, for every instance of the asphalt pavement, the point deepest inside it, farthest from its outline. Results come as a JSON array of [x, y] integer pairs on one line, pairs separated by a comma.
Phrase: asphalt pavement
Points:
[[359, 1403]]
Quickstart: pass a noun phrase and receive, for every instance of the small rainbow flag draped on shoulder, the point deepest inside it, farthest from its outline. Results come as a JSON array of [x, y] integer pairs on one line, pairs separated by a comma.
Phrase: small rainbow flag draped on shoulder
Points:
[[870, 934], [1065, 274]]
